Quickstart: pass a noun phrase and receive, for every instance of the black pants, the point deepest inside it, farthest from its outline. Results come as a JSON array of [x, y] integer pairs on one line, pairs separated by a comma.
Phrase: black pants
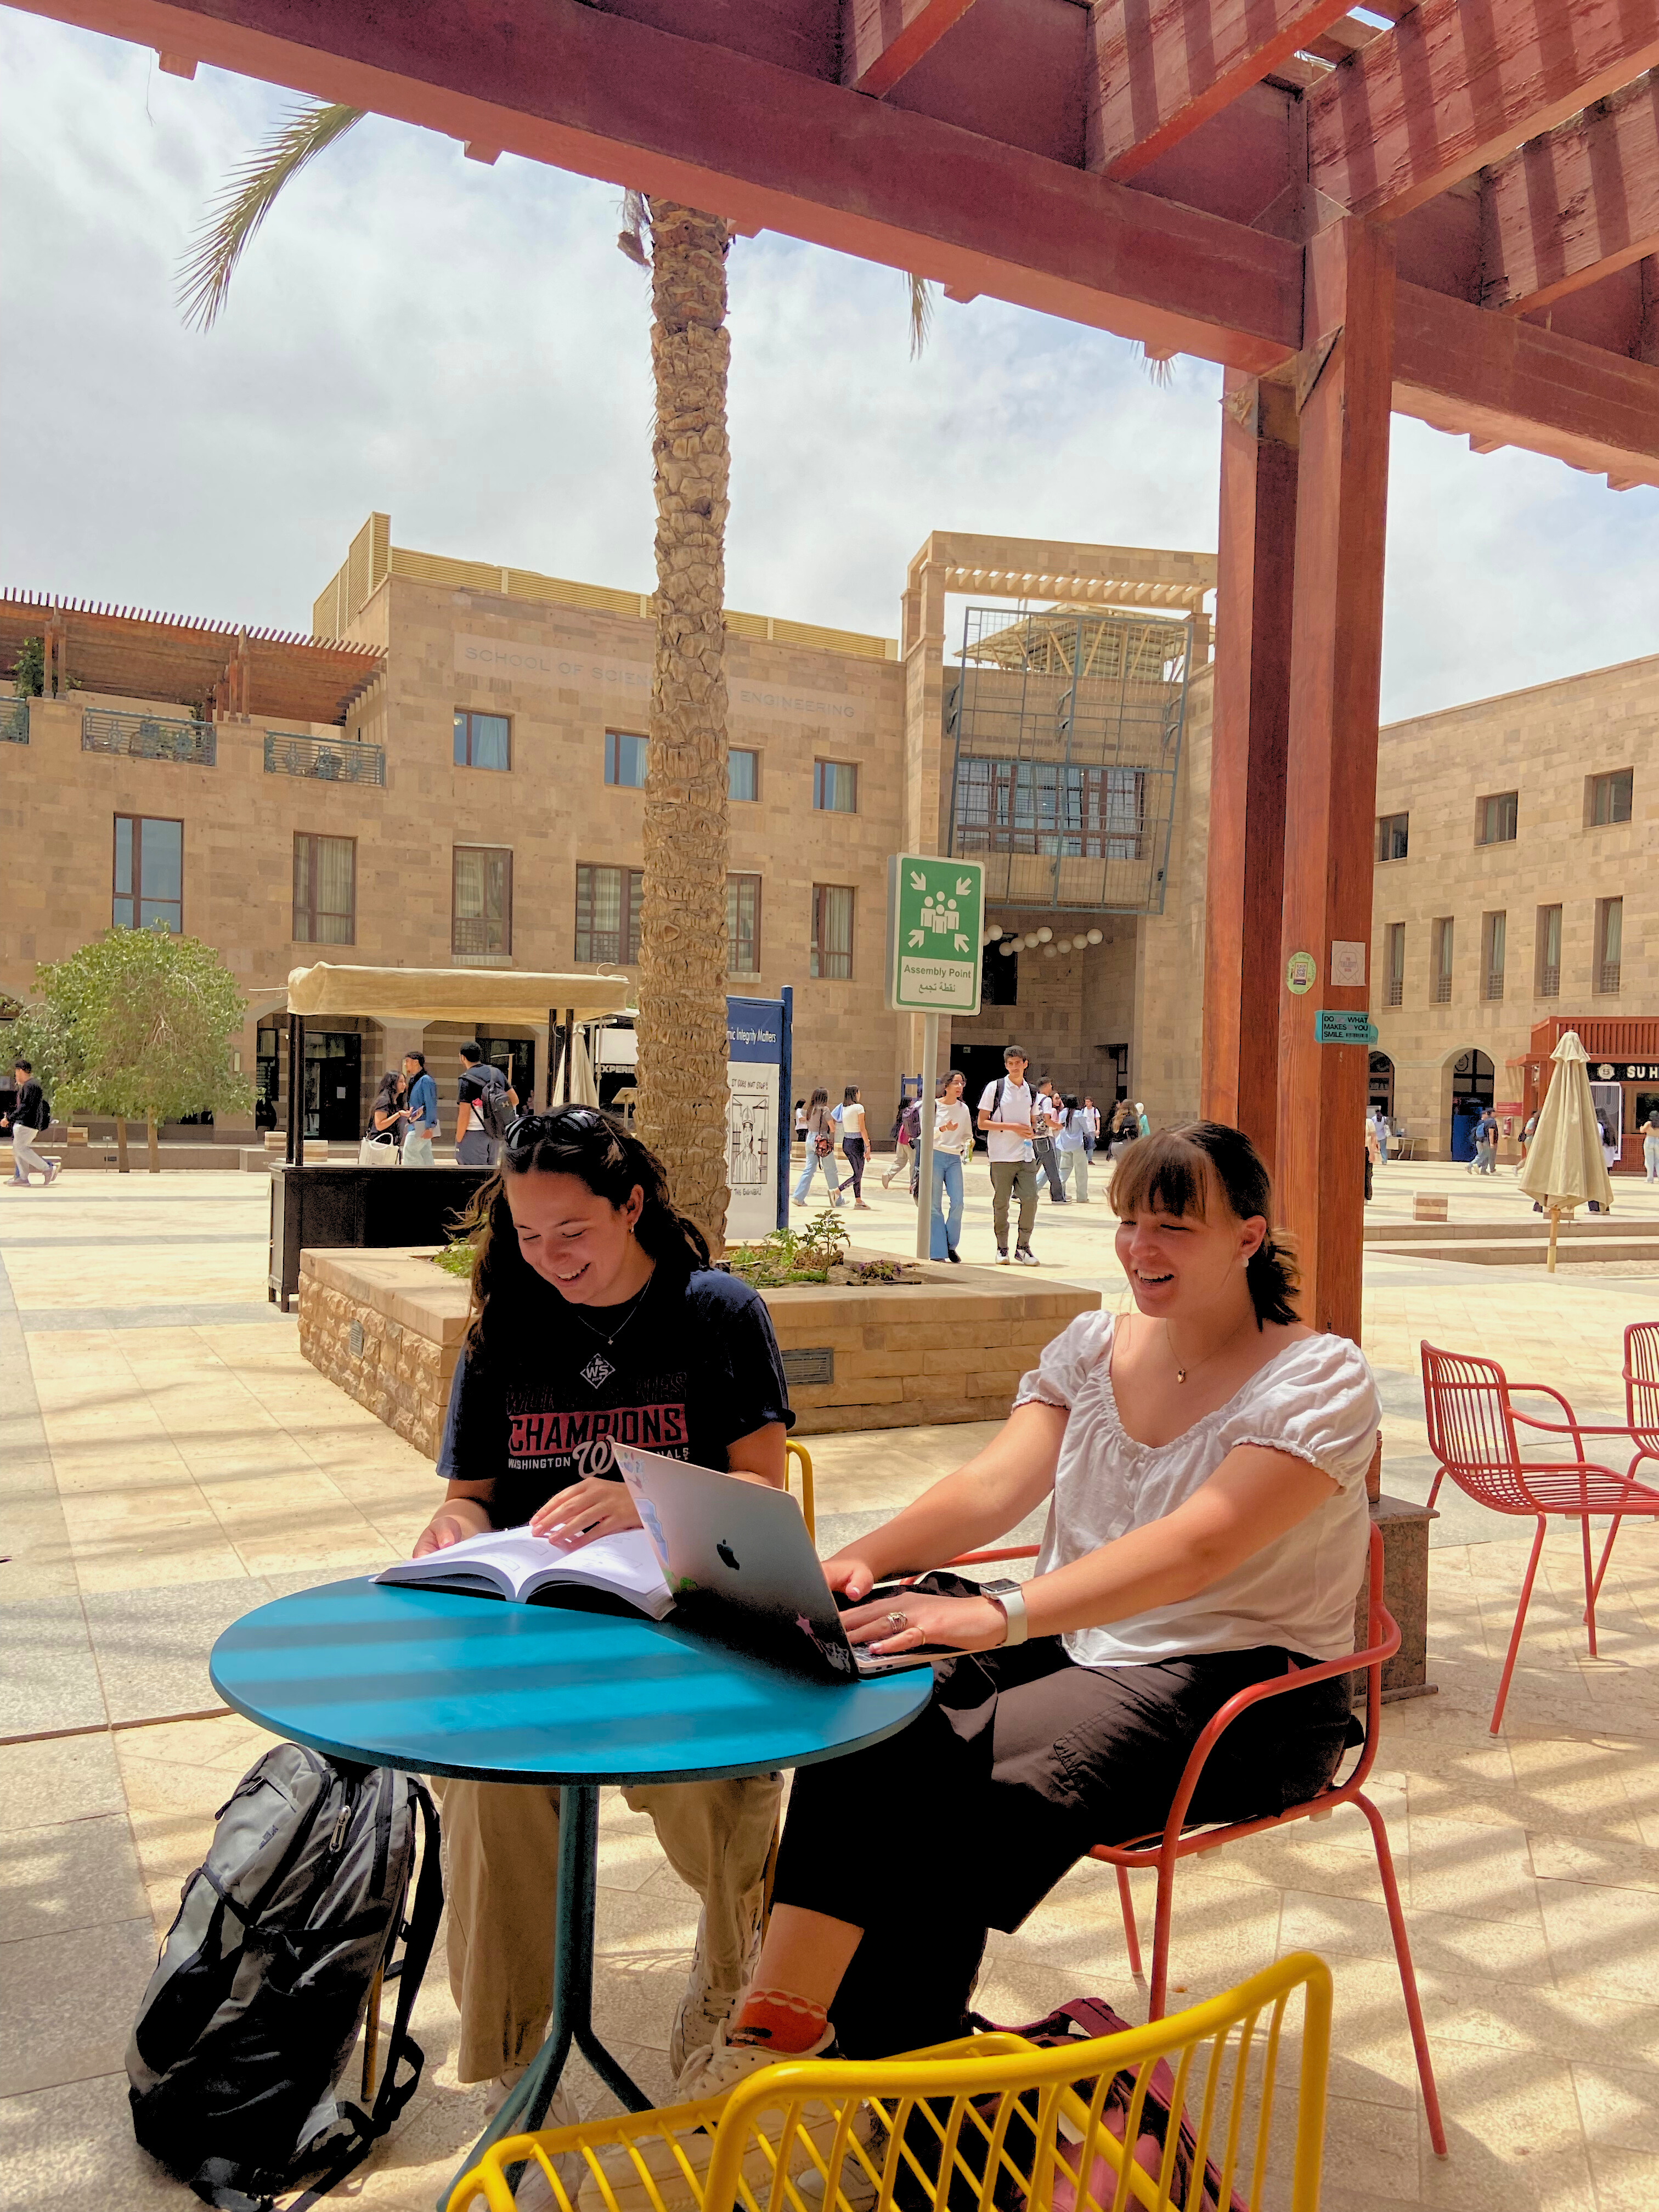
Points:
[[1022, 1761], [853, 1148]]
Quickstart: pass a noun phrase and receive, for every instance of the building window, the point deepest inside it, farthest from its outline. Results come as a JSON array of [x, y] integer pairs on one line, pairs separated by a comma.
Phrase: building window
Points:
[[1610, 943], [1495, 818], [742, 774], [626, 759], [1441, 979], [149, 873], [1050, 807], [1391, 836], [835, 786], [1494, 935], [325, 890], [482, 740], [1548, 958], [481, 912], [608, 903], [743, 925], [832, 931], [1609, 797], [1394, 962]]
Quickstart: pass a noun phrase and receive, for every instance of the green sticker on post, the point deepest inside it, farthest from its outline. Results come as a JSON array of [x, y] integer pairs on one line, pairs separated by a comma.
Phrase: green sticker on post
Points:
[[935, 929], [1344, 1026], [1301, 973]]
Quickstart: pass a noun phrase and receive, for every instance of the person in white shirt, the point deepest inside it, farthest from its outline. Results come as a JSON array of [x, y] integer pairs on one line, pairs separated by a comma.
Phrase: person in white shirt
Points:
[[1089, 1115], [953, 1137], [1070, 1158], [1004, 1115], [1047, 1114], [850, 1115]]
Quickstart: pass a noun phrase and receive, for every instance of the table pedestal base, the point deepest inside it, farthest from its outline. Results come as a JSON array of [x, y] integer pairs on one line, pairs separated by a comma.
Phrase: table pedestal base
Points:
[[525, 2107]]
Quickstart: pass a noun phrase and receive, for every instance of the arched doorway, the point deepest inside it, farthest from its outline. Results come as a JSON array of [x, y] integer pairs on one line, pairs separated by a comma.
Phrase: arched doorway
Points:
[[1380, 1092], [1473, 1092]]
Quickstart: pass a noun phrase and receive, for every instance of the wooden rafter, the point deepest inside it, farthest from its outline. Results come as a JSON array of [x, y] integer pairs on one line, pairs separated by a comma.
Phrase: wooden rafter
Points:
[[1455, 87], [882, 41], [1574, 204], [1159, 68]]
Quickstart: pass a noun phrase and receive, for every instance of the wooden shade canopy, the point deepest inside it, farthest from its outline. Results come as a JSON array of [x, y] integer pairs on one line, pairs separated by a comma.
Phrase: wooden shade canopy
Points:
[[481, 996], [1450, 210], [214, 667]]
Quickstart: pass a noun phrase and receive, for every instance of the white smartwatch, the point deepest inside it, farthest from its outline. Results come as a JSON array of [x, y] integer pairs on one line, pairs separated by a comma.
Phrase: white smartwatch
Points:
[[1011, 1598]]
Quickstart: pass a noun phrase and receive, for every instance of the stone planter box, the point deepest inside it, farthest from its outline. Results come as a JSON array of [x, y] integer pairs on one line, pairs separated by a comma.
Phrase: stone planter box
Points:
[[387, 1327]]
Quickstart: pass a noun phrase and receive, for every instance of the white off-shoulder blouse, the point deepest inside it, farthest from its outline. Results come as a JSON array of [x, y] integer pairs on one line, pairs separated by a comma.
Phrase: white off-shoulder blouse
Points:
[[1316, 1400]]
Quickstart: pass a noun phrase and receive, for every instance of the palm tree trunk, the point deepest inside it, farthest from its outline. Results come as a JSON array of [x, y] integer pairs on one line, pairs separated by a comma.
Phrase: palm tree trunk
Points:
[[149, 1138], [123, 1165], [682, 960]]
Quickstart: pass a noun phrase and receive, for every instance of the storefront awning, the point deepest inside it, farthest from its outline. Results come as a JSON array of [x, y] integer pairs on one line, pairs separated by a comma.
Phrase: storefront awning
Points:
[[476, 995]]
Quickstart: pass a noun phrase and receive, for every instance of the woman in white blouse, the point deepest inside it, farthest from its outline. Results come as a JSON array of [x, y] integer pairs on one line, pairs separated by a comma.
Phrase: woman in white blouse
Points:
[[953, 1140], [1203, 1454]]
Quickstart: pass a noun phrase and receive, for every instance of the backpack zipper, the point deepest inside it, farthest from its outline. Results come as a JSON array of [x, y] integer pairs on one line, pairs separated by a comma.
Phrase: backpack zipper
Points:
[[342, 1823]]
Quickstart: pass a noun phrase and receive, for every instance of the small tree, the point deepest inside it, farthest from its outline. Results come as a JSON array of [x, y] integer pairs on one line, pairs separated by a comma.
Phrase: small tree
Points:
[[138, 1025]]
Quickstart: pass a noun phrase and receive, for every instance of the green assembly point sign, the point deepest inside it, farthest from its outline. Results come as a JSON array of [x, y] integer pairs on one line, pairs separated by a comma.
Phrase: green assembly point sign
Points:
[[935, 918], [1344, 1026]]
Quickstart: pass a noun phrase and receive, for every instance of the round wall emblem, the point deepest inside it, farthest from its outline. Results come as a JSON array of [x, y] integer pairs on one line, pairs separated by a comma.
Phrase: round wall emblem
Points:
[[1301, 972]]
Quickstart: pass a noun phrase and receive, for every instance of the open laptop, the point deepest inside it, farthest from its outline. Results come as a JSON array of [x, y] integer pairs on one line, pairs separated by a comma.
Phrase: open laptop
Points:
[[742, 1568]]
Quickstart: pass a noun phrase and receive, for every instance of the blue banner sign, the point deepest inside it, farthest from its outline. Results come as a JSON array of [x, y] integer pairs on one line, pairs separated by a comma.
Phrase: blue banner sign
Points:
[[1344, 1026]]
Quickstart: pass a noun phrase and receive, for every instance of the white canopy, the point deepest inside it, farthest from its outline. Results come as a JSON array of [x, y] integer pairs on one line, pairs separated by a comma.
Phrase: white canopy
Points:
[[478, 995]]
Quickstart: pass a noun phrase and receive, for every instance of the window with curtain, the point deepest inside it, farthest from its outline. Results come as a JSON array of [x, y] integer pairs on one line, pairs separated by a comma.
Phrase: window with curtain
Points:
[[1496, 817], [1611, 796], [835, 786], [149, 873], [1392, 836], [832, 932], [626, 759], [1441, 979], [608, 903], [482, 740], [1394, 962], [1549, 952], [481, 910], [1050, 807], [1494, 934], [1610, 943], [742, 924], [325, 890], [742, 774]]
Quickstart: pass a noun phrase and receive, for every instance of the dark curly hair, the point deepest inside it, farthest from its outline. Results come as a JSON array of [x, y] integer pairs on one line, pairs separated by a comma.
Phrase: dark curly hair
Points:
[[599, 1151], [1176, 1170]]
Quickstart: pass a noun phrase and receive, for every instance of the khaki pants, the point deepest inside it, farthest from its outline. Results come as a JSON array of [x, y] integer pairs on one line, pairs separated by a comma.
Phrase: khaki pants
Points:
[[1013, 1178], [502, 1849]]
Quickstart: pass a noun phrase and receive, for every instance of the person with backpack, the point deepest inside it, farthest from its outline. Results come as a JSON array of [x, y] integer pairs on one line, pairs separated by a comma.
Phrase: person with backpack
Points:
[[820, 1149], [1071, 1154], [1004, 1115], [904, 1133], [31, 1112], [484, 1105], [595, 1314]]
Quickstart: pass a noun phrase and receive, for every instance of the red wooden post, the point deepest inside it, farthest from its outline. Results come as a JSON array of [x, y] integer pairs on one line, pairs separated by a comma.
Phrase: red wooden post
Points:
[[1244, 886], [1343, 378]]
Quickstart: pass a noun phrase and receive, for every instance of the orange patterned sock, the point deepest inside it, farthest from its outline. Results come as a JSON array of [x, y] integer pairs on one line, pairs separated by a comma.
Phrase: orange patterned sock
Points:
[[779, 2020]]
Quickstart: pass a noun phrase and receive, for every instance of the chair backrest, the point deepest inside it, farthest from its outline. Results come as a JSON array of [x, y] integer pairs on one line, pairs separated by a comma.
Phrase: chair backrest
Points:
[[1471, 1432], [978, 2124], [1642, 1380], [797, 1456]]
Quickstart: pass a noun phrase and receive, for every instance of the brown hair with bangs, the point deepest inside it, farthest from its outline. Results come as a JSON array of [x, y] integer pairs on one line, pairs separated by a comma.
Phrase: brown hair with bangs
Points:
[[1174, 1172]]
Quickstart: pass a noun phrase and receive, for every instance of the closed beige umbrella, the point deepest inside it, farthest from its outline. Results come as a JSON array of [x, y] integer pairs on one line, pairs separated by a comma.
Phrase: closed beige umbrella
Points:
[[1563, 1165]]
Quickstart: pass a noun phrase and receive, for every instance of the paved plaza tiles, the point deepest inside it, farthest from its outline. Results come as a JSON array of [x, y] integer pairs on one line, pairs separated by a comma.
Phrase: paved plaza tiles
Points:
[[169, 1461]]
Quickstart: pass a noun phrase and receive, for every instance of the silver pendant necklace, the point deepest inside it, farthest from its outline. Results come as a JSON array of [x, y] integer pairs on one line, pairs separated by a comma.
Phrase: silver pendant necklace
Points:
[[609, 1337]]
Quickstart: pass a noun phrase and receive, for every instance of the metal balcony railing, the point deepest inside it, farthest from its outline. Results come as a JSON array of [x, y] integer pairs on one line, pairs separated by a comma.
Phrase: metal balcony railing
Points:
[[1549, 982], [1440, 991], [325, 760], [1396, 990], [149, 737], [1494, 986], [1609, 983], [15, 723]]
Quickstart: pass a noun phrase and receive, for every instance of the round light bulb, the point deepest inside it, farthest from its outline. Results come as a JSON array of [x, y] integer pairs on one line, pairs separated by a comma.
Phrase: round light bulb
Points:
[[1029, 940], [1049, 950], [1044, 936], [1094, 937], [1009, 947]]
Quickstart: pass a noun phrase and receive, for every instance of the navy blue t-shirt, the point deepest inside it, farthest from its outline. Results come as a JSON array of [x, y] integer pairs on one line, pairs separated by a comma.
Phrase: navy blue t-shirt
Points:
[[696, 1367]]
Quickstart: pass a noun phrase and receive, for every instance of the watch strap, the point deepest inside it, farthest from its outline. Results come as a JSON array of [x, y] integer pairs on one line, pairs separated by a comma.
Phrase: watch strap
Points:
[[1013, 1602]]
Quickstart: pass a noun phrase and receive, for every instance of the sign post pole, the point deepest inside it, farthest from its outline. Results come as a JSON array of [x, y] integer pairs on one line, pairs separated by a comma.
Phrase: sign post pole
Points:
[[935, 954], [925, 1155]]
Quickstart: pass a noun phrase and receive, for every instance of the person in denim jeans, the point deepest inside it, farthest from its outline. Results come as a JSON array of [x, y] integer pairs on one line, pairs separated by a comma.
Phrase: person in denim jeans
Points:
[[422, 1112], [820, 1149], [953, 1137]]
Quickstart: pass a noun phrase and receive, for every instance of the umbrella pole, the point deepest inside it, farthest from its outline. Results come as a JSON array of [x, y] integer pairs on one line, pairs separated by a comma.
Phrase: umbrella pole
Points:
[[1555, 1223]]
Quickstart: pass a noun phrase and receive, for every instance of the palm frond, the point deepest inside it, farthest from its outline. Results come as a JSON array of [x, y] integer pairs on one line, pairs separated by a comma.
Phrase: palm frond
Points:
[[922, 313], [244, 201], [636, 226], [1160, 368]]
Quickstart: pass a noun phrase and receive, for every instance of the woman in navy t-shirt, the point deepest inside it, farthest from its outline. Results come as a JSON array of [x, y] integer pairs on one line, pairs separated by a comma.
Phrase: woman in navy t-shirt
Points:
[[595, 1316]]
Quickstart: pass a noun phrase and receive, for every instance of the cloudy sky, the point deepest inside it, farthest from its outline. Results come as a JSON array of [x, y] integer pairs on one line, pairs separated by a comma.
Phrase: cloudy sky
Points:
[[465, 349]]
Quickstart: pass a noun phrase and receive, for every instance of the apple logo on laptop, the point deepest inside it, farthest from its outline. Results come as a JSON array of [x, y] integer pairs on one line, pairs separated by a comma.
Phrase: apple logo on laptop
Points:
[[728, 1555]]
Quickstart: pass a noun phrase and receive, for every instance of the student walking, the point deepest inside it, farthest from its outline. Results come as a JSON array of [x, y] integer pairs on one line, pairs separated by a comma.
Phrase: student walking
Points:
[[904, 1137], [820, 1149], [1650, 1145], [483, 1107], [30, 1114], [1004, 1115], [1090, 1115], [1071, 1155], [1124, 1130], [953, 1138], [1046, 1111], [853, 1144], [385, 1116], [1143, 1126], [1486, 1145], [422, 1112]]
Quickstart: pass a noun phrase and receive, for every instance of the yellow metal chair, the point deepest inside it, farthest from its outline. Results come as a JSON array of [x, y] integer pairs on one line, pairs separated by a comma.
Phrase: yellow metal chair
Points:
[[992, 2120], [794, 1453]]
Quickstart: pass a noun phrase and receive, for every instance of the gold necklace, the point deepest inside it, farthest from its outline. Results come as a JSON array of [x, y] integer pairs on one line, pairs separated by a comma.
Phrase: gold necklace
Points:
[[1182, 1372]]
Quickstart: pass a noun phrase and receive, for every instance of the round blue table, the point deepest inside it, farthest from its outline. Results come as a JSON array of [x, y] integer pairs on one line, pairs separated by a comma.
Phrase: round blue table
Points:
[[439, 1684]]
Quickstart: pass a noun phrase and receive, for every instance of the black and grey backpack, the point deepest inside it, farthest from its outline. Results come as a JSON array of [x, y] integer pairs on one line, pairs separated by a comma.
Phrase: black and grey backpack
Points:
[[283, 1933]]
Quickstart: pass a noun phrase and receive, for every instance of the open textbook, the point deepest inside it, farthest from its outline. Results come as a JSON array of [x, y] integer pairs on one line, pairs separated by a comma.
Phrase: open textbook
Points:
[[513, 1564]]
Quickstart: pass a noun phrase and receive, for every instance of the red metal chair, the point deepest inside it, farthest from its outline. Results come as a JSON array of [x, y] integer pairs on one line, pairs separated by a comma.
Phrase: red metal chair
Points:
[[1472, 1421], [1641, 1374], [1177, 1841]]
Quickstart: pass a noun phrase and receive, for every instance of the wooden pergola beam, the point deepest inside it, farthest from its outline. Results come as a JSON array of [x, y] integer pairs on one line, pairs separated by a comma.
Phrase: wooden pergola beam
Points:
[[882, 41], [1574, 204], [1456, 87], [1157, 68]]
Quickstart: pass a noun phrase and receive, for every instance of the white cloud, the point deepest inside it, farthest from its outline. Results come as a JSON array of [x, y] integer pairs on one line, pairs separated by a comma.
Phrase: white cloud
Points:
[[465, 349]]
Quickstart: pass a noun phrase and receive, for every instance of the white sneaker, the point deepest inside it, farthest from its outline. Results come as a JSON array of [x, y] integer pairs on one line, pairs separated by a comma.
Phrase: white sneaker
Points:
[[703, 2009], [535, 2194], [714, 2072]]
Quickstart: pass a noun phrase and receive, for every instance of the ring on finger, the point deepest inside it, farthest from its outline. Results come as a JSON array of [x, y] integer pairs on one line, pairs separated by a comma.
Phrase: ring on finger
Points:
[[899, 1621]]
